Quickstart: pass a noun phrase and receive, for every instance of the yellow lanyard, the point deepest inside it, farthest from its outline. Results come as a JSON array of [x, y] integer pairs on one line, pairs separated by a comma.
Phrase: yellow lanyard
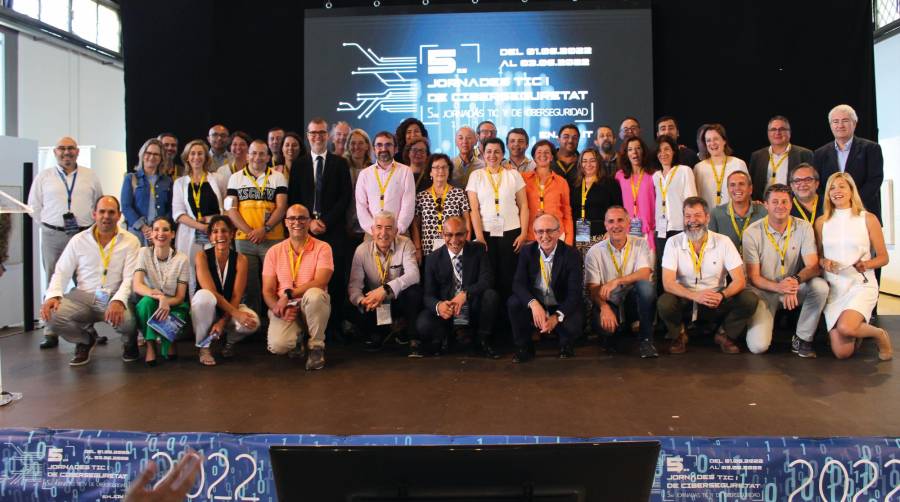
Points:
[[105, 257], [439, 208], [296, 260], [542, 188], [196, 195], [620, 269], [384, 268], [382, 187], [812, 217], [787, 239], [696, 258], [664, 190], [262, 191], [584, 191], [152, 191], [739, 231], [565, 169], [496, 186], [635, 190], [545, 274], [719, 178], [776, 166], [232, 168]]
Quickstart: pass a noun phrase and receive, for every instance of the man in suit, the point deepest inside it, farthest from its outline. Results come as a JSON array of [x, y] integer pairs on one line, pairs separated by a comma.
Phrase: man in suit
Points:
[[772, 165], [860, 158], [458, 291], [547, 291], [320, 181]]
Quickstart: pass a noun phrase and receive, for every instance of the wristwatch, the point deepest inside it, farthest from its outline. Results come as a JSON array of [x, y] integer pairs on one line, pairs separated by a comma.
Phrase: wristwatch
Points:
[[560, 316], [289, 293], [797, 277], [388, 291], [267, 227]]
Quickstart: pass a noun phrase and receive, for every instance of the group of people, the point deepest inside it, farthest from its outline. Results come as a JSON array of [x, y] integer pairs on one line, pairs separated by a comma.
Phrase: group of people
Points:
[[381, 237]]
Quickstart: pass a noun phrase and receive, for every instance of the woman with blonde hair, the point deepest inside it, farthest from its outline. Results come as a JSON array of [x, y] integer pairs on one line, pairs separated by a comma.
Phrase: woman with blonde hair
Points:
[[846, 234]]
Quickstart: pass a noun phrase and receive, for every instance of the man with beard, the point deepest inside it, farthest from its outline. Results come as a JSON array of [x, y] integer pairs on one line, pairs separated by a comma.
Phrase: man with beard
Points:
[[567, 154], [629, 128], [733, 217], [805, 187], [171, 162], [695, 265], [466, 161], [218, 146], [606, 144], [668, 126], [517, 143], [386, 185]]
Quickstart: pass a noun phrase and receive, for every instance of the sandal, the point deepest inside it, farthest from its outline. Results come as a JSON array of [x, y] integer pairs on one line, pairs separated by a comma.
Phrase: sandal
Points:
[[206, 357]]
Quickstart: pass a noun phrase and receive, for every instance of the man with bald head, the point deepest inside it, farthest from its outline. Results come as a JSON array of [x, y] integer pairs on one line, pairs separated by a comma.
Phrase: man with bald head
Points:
[[465, 161], [62, 197], [547, 291], [218, 145], [103, 258]]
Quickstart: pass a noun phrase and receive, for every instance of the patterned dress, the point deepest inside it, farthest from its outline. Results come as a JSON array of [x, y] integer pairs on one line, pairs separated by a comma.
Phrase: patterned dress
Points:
[[455, 204]]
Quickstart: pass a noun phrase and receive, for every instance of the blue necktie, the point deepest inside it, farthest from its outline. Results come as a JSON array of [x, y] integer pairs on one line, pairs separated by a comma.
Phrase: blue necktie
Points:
[[320, 168]]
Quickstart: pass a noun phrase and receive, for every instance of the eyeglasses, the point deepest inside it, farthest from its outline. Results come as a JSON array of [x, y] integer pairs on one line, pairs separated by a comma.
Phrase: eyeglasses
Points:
[[421, 151], [301, 219], [384, 145], [218, 135], [317, 133], [458, 235], [151, 154], [546, 231], [67, 148], [780, 130], [632, 129], [808, 179]]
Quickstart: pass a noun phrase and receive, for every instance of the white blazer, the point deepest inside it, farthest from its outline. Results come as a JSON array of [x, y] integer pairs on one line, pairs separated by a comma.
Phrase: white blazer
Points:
[[184, 238]]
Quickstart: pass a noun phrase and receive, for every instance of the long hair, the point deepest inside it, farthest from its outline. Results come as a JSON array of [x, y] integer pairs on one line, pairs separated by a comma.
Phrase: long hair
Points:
[[207, 162], [856, 204], [623, 163], [162, 153], [601, 173], [702, 152], [369, 157], [668, 140]]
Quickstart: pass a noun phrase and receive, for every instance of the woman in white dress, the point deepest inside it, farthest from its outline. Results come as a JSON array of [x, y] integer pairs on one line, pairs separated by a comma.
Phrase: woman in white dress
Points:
[[718, 163], [846, 234]]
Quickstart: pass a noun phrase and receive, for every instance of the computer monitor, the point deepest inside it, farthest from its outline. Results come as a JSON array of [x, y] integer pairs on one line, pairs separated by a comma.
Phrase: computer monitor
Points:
[[584, 472]]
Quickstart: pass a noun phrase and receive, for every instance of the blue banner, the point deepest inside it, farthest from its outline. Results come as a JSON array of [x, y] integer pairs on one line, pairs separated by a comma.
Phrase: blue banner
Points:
[[70, 465]]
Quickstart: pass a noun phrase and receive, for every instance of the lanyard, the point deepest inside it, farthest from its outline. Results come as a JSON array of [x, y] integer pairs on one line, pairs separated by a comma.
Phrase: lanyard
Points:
[[69, 189], [584, 192], [518, 167], [739, 231], [382, 187], [196, 195], [697, 258], [781, 161], [542, 187], [104, 256], [233, 170], [620, 269], [635, 189], [161, 271], [496, 186], [223, 273], [262, 191], [296, 260], [664, 190], [439, 208], [384, 268], [787, 239], [719, 178], [812, 216], [545, 273], [565, 169]]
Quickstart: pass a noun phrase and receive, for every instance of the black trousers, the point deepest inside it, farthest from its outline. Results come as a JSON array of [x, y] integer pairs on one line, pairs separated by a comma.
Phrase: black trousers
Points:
[[482, 312], [407, 306], [503, 260], [523, 324], [660, 247]]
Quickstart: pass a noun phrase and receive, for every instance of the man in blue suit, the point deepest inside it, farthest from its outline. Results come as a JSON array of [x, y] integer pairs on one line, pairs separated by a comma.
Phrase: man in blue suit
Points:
[[547, 292]]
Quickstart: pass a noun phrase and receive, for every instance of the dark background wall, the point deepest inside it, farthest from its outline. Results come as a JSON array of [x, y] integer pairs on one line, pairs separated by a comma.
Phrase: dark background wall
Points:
[[192, 63]]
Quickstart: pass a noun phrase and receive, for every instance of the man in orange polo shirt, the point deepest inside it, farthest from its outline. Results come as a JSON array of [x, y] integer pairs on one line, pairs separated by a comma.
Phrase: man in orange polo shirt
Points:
[[295, 279]]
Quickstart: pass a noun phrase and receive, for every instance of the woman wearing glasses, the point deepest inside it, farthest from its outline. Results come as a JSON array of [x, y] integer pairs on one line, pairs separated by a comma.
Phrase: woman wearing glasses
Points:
[[435, 204], [146, 193], [846, 234], [415, 155]]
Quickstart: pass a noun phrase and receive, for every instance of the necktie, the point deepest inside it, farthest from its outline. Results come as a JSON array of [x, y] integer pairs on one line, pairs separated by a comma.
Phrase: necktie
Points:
[[457, 265], [320, 167]]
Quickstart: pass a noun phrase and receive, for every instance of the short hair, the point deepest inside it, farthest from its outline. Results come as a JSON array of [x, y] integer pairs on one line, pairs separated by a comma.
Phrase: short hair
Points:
[[339, 123], [607, 126], [495, 141], [439, 156], [695, 201], [273, 129], [409, 146], [746, 175], [664, 118], [483, 122], [701, 139], [781, 118], [162, 135], [147, 144], [777, 187], [260, 142], [569, 126], [846, 109], [617, 208], [385, 215], [544, 142], [207, 162], [629, 117], [217, 219], [113, 197], [803, 165], [242, 135], [386, 134], [668, 140], [517, 130]]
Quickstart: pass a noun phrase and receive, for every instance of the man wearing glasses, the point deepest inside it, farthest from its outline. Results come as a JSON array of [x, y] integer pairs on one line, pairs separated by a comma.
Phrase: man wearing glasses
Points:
[[772, 164], [218, 146], [386, 185], [459, 292], [62, 198], [295, 275], [547, 292], [630, 128], [805, 203]]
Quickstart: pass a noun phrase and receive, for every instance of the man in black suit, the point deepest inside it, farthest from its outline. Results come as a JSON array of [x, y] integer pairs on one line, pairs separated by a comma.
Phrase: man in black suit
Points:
[[458, 291], [321, 182], [547, 291], [772, 164], [860, 158]]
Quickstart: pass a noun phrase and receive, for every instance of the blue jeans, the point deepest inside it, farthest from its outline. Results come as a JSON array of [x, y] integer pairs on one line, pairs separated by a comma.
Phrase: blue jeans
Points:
[[639, 302]]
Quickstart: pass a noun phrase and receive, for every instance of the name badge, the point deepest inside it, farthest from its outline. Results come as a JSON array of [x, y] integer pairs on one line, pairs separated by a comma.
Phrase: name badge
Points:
[[662, 224], [101, 297], [383, 314], [70, 224], [636, 228], [582, 231], [435, 244], [495, 226]]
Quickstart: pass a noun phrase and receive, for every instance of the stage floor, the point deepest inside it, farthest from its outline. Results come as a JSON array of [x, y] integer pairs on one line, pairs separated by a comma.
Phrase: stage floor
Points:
[[703, 393]]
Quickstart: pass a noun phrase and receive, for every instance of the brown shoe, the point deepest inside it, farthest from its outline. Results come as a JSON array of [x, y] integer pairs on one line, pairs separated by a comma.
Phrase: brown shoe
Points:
[[727, 346], [83, 352], [679, 345]]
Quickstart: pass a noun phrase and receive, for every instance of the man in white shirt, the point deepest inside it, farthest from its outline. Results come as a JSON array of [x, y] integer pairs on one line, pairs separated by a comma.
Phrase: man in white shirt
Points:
[[694, 268], [466, 161], [62, 198], [103, 258]]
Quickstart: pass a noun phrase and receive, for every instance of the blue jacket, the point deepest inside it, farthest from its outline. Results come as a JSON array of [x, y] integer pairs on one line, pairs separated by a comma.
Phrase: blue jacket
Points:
[[136, 198]]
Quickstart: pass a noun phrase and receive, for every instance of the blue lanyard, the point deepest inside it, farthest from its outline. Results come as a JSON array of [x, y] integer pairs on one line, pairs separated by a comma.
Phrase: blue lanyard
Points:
[[69, 189]]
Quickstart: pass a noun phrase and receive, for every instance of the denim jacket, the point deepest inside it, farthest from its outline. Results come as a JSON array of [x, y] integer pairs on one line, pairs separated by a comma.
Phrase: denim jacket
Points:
[[136, 199]]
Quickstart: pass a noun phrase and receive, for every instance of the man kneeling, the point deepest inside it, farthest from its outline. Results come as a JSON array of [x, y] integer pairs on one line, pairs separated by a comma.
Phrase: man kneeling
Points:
[[548, 286], [617, 272], [295, 276]]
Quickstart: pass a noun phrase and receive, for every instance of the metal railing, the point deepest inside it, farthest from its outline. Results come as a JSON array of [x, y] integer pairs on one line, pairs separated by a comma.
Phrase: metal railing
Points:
[[886, 18]]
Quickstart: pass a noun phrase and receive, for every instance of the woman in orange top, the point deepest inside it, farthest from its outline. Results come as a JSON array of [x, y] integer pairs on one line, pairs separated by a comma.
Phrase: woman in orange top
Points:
[[547, 192]]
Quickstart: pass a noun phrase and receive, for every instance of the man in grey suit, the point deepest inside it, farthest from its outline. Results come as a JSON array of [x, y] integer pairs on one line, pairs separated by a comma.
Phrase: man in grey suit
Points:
[[771, 165]]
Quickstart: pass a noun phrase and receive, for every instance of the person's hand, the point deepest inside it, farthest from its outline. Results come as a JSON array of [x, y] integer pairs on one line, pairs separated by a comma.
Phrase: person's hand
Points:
[[860, 266], [709, 298], [608, 320], [146, 230], [162, 312], [551, 323], [519, 242], [289, 314], [374, 298], [829, 265], [445, 310], [218, 328], [280, 305], [788, 286], [115, 313], [608, 288], [419, 256], [173, 487], [538, 315], [481, 240], [317, 227], [244, 319], [790, 301], [257, 235], [49, 307], [458, 301]]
